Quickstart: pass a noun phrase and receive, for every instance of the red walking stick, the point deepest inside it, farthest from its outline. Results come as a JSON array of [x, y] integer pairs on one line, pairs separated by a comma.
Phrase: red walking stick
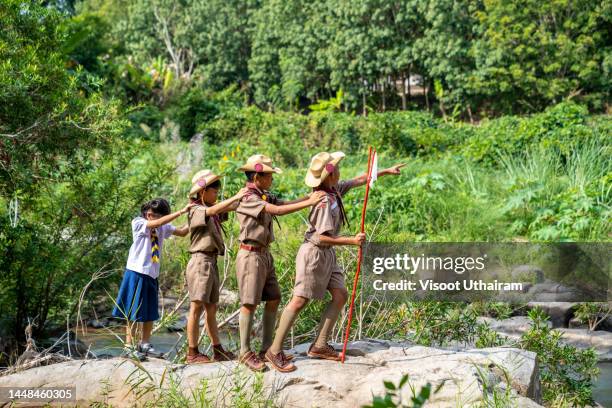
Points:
[[359, 255]]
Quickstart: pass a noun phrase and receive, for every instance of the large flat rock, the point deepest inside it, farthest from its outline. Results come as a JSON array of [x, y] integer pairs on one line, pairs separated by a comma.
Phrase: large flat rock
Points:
[[316, 383], [599, 340]]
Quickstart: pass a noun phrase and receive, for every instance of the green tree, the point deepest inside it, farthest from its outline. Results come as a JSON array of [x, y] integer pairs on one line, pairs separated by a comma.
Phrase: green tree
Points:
[[62, 159], [444, 50], [358, 38], [219, 33], [532, 54], [45, 115], [373, 49], [288, 59], [263, 65]]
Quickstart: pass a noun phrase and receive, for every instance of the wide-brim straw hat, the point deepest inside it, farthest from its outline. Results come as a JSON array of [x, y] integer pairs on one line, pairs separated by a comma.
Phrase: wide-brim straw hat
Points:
[[260, 164], [201, 180], [322, 165]]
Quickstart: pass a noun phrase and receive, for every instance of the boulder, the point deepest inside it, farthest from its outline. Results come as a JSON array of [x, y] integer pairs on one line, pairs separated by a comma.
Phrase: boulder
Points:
[[169, 302], [512, 326], [527, 273], [606, 324], [515, 326], [74, 347], [576, 323], [97, 323], [316, 383], [601, 341], [552, 292]]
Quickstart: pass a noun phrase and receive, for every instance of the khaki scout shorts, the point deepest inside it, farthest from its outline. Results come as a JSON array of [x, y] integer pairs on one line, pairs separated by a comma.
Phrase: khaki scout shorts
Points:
[[256, 277], [316, 271], [202, 278]]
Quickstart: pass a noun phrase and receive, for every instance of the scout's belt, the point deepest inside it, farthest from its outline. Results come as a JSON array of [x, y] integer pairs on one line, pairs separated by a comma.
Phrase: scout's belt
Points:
[[253, 248]]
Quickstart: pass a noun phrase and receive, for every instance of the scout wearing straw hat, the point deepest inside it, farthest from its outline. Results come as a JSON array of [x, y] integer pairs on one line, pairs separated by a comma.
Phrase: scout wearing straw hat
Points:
[[254, 263], [202, 275], [317, 270]]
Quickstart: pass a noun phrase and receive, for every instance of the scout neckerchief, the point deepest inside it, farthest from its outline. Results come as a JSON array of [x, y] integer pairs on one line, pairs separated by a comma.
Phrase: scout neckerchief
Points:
[[264, 195], [333, 191], [215, 217], [154, 246]]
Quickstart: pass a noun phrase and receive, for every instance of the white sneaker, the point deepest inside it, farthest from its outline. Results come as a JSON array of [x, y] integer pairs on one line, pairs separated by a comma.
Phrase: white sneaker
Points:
[[131, 352], [149, 350]]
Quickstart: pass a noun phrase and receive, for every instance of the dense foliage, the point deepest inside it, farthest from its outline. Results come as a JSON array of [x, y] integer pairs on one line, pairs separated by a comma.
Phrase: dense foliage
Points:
[[476, 58]]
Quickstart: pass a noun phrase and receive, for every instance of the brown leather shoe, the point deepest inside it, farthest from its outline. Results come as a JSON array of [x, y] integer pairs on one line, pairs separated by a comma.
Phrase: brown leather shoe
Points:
[[327, 352], [251, 360], [198, 359], [220, 354], [262, 356], [279, 362]]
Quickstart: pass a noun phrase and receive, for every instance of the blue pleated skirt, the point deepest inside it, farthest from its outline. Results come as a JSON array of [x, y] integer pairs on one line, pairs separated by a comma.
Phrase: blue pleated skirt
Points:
[[137, 300]]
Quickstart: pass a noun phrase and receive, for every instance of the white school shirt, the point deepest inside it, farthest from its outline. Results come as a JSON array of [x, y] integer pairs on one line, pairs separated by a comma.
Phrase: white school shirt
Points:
[[139, 259]]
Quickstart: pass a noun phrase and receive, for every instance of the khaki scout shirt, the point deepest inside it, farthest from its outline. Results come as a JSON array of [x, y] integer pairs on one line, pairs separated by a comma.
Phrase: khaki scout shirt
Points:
[[255, 223], [206, 234], [324, 218]]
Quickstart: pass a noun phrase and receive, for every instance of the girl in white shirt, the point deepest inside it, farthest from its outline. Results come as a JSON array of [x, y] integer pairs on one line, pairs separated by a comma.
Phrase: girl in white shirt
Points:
[[137, 300]]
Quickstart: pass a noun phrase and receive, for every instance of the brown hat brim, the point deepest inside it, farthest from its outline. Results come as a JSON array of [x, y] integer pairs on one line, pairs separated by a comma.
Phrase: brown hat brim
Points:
[[312, 180], [265, 168], [196, 188]]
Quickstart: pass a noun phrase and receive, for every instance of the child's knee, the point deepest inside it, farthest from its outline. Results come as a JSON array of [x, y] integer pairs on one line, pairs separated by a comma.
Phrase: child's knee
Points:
[[248, 308], [272, 304], [196, 306], [211, 308], [298, 303], [340, 296]]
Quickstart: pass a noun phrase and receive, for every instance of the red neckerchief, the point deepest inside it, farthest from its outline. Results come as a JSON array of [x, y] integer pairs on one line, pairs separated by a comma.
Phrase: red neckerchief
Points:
[[264, 195], [333, 191]]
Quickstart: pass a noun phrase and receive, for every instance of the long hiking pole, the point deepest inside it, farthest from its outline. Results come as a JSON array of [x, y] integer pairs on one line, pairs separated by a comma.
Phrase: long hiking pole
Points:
[[359, 256]]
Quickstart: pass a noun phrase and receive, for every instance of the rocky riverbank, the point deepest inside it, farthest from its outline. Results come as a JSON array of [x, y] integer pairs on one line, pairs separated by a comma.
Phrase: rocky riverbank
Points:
[[468, 377]]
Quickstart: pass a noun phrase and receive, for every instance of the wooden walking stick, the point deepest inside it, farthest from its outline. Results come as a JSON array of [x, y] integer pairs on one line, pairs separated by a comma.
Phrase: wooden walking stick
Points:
[[359, 254]]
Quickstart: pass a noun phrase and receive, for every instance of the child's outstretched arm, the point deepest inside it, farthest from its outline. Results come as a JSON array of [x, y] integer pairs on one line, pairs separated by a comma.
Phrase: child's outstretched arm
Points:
[[361, 180], [181, 231], [283, 209], [168, 218], [297, 200], [227, 205]]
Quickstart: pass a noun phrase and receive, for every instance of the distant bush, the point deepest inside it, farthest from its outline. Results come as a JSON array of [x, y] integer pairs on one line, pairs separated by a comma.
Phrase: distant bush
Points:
[[146, 122], [192, 108], [406, 134], [560, 128]]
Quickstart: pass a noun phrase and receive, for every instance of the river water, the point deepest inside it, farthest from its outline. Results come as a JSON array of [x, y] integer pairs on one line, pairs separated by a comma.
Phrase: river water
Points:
[[602, 392], [104, 342]]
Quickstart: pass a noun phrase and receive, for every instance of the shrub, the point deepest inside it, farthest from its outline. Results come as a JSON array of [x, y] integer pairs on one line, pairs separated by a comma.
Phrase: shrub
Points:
[[566, 373]]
